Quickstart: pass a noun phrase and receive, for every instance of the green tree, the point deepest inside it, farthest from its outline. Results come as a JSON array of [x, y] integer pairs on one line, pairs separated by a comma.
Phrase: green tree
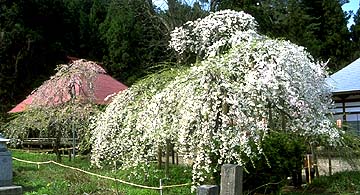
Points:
[[336, 44], [61, 106], [135, 39], [31, 34], [179, 12], [355, 35], [97, 16], [37, 35], [318, 25]]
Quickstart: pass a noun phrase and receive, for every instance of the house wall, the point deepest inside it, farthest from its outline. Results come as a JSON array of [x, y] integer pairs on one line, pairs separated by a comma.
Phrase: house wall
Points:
[[352, 110]]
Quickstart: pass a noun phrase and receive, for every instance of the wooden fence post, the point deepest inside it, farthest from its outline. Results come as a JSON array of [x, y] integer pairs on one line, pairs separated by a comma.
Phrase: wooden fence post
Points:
[[231, 180], [208, 190]]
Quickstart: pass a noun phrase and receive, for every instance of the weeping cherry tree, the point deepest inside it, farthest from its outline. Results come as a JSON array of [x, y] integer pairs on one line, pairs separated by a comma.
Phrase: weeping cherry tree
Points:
[[61, 105], [242, 87]]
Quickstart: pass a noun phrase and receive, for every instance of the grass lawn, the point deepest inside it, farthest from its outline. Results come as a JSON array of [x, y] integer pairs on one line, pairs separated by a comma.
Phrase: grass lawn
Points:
[[52, 179], [342, 183]]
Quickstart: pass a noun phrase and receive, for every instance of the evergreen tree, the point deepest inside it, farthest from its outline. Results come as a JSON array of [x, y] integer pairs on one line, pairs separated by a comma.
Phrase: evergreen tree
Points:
[[83, 17], [31, 44], [336, 44], [318, 25], [134, 39], [97, 15], [355, 35], [179, 12]]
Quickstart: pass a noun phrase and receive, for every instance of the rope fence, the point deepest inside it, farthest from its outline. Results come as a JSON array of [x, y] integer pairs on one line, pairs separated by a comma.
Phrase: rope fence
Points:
[[41, 150], [101, 176]]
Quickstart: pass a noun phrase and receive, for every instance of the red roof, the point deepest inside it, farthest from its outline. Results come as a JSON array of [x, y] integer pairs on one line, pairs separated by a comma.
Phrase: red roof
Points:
[[22, 106], [104, 88]]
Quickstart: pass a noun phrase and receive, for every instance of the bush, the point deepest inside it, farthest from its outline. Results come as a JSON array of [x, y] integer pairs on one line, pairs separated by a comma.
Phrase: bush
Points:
[[283, 157], [341, 182]]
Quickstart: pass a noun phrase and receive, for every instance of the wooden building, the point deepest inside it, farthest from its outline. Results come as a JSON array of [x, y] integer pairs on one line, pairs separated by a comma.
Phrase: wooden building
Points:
[[345, 88]]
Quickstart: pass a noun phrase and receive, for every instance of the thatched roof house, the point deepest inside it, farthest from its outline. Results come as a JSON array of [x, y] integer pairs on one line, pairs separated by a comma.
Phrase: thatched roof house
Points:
[[84, 80]]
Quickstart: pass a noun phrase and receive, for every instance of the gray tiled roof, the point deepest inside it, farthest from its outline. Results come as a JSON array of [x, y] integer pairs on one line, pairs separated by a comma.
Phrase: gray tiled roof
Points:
[[346, 79]]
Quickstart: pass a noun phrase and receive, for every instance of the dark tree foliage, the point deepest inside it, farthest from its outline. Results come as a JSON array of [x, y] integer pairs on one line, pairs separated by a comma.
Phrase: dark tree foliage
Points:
[[37, 35], [355, 34], [83, 38], [31, 34], [178, 13], [318, 25], [130, 37], [336, 36], [355, 29], [134, 38]]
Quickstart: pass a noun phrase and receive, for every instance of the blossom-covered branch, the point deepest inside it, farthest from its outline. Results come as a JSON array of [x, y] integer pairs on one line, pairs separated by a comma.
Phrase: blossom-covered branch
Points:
[[218, 110]]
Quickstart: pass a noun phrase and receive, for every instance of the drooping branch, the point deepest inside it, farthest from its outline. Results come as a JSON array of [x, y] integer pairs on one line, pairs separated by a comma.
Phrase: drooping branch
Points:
[[215, 111]]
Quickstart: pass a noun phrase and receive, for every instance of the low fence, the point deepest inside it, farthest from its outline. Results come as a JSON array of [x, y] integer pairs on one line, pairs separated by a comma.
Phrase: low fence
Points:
[[231, 179], [41, 142], [160, 188]]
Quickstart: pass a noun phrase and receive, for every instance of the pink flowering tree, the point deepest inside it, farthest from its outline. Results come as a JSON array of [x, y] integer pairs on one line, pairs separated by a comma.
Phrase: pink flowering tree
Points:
[[61, 105]]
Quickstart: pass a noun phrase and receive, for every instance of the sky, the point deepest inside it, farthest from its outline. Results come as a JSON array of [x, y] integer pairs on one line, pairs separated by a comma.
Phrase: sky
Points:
[[159, 3], [354, 6]]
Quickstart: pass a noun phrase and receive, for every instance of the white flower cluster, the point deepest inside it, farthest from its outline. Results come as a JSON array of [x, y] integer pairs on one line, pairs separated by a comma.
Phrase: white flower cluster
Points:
[[210, 36], [117, 126], [219, 110]]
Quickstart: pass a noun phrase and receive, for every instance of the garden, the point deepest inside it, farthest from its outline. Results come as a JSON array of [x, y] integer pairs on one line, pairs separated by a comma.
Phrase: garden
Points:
[[244, 98], [53, 179]]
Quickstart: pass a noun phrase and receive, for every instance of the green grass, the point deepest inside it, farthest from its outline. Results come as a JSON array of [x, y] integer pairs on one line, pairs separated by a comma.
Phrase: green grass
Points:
[[342, 183], [52, 179]]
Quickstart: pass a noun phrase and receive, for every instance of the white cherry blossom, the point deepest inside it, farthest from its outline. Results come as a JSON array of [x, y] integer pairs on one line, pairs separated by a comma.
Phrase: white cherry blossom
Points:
[[218, 110]]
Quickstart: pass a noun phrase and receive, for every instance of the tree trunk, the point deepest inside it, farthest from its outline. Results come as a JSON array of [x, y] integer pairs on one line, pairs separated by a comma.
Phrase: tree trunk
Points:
[[283, 117], [159, 157], [167, 157], [177, 158], [172, 154], [330, 164], [270, 125], [57, 144]]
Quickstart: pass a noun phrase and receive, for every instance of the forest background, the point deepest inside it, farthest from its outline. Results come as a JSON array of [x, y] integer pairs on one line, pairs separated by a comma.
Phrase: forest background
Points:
[[130, 37]]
